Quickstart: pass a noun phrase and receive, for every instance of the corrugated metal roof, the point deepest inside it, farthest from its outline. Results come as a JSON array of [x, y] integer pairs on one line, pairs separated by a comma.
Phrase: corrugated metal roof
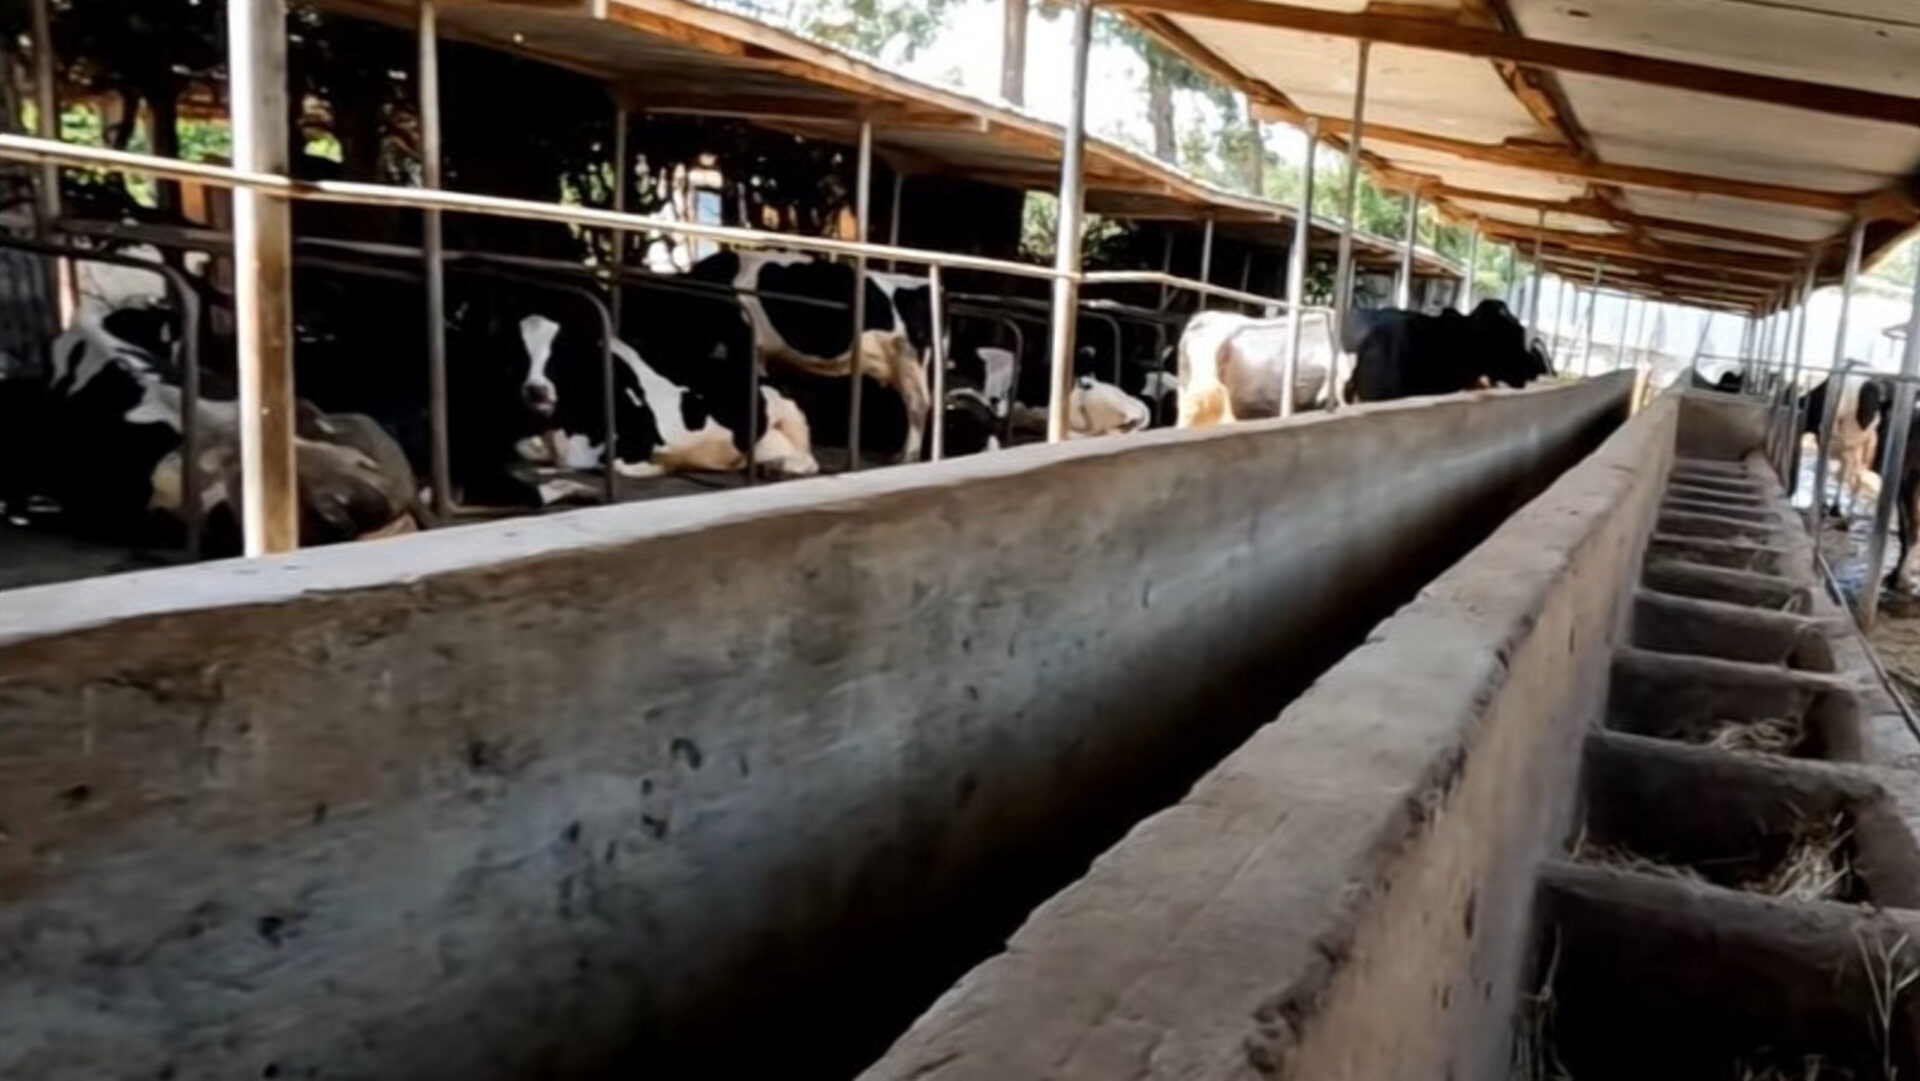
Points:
[[1706, 159]]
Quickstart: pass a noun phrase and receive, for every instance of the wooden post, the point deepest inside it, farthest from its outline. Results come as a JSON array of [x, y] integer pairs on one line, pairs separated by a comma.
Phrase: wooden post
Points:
[[862, 202], [1403, 288], [262, 278], [1297, 263], [1066, 237], [1343, 268]]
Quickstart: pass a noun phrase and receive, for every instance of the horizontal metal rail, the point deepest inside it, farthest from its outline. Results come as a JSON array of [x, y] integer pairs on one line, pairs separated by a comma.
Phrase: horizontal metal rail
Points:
[[1154, 277], [54, 152]]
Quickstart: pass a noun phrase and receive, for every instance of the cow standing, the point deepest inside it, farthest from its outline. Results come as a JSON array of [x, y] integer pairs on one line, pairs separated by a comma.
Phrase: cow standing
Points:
[[1231, 366], [794, 311], [1402, 354]]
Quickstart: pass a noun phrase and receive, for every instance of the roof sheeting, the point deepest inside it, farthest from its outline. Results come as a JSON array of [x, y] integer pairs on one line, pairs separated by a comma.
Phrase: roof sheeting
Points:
[[674, 56], [1655, 132]]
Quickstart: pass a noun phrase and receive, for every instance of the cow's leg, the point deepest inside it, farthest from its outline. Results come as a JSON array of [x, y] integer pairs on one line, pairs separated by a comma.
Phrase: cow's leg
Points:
[[1905, 520]]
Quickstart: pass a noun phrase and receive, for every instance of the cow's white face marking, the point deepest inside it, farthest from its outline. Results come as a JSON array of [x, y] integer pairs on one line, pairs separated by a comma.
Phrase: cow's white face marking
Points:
[[1158, 383], [537, 334], [998, 383]]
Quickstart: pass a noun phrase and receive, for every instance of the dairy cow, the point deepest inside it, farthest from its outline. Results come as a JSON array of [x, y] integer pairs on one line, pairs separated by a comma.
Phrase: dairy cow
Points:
[[124, 412], [662, 426], [793, 312], [1400, 354], [1230, 366]]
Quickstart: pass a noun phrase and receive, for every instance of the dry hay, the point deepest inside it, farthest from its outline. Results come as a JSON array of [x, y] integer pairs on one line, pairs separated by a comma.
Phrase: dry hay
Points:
[[1768, 735], [1816, 866]]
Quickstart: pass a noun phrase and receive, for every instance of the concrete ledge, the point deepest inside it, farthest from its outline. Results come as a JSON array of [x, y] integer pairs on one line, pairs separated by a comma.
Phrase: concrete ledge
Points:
[[1344, 897], [704, 787]]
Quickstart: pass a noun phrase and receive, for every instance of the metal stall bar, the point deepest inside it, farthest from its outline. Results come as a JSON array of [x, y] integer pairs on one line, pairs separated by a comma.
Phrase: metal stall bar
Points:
[[1593, 310], [622, 178], [862, 201], [1899, 430], [262, 278], [1297, 261], [432, 270], [1473, 264], [1149, 277], [1343, 268], [1793, 423], [1206, 251], [1560, 291], [1836, 384], [1066, 240], [1403, 286], [187, 302]]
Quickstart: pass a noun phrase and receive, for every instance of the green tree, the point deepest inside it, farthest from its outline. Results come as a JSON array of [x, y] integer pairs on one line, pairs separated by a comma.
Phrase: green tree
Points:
[[895, 29]]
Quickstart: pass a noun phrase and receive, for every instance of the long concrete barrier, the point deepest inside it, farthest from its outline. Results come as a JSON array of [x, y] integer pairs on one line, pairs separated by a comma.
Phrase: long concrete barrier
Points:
[[1345, 897], [696, 787]]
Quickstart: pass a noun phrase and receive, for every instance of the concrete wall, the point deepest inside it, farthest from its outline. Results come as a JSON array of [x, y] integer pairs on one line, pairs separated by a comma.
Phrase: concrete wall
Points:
[[1345, 897], [696, 787]]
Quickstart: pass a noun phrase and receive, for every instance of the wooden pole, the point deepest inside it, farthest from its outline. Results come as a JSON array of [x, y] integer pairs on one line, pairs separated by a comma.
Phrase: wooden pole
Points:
[[1066, 238], [1297, 263], [262, 278], [1343, 269]]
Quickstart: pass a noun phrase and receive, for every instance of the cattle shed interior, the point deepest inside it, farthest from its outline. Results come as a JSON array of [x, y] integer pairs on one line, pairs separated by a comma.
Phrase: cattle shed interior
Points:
[[1518, 733]]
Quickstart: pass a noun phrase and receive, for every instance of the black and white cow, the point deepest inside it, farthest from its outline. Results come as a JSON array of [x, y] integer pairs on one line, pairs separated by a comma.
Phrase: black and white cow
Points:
[[663, 426], [1401, 354], [122, 410], [794, 313]]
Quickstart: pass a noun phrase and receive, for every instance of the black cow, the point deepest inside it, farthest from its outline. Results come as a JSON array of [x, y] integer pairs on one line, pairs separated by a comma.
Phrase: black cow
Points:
[[1400, 354]]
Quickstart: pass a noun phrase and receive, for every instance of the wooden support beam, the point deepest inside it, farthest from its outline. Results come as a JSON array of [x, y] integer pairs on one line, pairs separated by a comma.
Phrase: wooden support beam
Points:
[[1558, 161], [1675, 255], [1603, 210], [1491, 44]]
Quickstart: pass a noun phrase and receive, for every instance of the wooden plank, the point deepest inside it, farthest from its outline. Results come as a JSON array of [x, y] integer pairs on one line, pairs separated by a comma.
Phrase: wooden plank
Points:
[[263, 279], [1489, 44]]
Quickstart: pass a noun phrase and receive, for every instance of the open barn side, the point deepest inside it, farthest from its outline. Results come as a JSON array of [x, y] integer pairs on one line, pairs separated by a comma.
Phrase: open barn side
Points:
[[706, 786]]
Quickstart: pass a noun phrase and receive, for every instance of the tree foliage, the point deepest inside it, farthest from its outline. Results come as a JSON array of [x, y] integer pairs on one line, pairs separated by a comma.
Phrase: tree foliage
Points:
[[893, 30]]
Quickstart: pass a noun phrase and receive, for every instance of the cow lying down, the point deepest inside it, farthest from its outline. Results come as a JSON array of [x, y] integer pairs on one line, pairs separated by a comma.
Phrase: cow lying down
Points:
[[115, 397], [664, 427]]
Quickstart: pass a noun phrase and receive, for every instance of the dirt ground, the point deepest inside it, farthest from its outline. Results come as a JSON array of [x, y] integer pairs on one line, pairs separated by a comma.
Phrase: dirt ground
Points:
[[1896, 632]]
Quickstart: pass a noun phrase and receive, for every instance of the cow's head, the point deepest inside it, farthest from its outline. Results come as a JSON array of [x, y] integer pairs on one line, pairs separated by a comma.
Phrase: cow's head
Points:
[[537, 390]]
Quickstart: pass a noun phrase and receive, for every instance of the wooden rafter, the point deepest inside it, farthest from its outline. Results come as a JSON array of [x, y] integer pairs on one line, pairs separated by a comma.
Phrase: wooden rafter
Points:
[[1559, 162], [1676, 255], [1488, 44]]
